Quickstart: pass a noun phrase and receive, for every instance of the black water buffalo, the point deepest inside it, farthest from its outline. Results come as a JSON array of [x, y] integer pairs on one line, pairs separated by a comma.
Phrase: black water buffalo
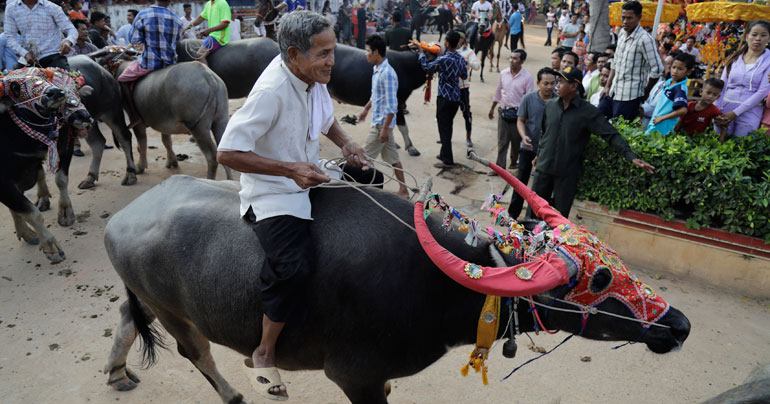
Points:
[[104, 104], [480, 39], [442, 20], [21, 156], [240, 63], [378, 307]]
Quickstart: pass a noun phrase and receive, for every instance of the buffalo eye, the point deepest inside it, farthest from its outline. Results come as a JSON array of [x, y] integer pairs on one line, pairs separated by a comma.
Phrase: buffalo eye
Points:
[[600, 281], [15, 89]]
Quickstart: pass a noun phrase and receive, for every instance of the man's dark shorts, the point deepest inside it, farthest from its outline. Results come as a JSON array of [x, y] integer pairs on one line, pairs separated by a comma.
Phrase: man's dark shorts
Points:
[[288, 265], [290, 257]]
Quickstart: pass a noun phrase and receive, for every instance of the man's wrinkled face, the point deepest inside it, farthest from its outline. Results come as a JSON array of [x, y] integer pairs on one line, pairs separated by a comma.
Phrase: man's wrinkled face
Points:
[[317, 64]]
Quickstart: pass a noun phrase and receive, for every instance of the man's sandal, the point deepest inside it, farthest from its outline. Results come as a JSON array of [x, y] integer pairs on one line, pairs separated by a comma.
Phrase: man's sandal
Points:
[[273, 380]]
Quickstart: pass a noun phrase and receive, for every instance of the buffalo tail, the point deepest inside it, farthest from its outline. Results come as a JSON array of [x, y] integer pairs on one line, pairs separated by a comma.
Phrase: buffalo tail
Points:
[[150, 335]]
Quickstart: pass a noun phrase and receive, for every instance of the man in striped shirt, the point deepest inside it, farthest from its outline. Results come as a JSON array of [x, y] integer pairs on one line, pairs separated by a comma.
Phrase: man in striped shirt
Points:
[[635, 69], [33, 29], [384, 105]]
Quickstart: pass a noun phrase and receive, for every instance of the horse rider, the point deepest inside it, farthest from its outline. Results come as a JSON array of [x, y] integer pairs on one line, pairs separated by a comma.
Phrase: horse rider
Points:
[[273, 140], [158, 29]]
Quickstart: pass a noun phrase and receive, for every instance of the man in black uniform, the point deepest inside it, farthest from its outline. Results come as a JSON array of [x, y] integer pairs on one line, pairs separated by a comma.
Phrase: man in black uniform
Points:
[[568, 122], [397, 37]]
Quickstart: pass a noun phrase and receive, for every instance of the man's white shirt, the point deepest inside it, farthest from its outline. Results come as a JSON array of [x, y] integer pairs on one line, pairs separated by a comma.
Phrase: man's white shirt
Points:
[[282, 119]]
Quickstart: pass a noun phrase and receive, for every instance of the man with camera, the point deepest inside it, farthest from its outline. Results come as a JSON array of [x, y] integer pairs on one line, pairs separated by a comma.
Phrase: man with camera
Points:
[[513, 84]]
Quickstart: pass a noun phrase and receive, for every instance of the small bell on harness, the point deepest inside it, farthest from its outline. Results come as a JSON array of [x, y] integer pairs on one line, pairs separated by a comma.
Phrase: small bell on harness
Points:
[[509, 348]]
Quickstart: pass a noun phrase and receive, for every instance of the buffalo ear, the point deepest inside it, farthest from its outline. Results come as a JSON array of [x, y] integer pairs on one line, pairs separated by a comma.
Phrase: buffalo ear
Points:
[[85, 91], [5, 105]]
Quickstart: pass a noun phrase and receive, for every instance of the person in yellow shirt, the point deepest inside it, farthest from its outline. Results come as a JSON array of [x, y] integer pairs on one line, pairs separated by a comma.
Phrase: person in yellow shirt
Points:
[[217, 13]]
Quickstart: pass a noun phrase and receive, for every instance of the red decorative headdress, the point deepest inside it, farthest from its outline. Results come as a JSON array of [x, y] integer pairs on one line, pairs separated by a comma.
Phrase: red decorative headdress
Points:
[[549, 270]]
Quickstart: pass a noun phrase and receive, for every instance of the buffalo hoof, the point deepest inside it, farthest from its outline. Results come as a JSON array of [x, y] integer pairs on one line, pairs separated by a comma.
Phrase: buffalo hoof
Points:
[[87, 183], [172, 164], [398, 146], [43, 204], [413, 151], [66, 217], [33, 241], [482, 79], [130, 179], [56, 257], [126, 382], [141, 167]]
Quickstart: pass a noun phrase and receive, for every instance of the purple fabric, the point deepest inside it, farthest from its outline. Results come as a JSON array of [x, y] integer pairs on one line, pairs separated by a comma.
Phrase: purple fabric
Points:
[[750, 87]]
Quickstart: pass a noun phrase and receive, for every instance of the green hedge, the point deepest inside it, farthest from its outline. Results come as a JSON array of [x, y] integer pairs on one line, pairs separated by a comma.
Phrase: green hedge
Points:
[[697, 179]]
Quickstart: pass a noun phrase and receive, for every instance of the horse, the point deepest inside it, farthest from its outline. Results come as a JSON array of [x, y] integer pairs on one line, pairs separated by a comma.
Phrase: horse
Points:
[[267, 14], [501, 30]]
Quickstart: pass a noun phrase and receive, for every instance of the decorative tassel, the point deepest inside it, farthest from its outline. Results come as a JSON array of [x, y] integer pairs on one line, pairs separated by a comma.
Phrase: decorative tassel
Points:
[[464, 369], [427, 90], [484, 376]]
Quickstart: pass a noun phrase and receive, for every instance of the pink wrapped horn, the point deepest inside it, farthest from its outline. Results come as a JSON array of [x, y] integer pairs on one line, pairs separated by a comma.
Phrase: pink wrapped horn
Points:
[[539, 205], [529, 278]]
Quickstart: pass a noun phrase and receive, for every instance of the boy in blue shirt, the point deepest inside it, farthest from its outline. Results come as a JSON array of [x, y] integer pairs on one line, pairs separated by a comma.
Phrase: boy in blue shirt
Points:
[[672, 102]]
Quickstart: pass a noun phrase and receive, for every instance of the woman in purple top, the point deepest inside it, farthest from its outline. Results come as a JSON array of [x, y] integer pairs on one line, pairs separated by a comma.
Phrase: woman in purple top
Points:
[[745, 83]]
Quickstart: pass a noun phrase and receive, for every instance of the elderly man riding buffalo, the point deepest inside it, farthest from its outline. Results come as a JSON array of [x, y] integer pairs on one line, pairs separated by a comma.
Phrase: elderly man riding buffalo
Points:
[[274, 142]]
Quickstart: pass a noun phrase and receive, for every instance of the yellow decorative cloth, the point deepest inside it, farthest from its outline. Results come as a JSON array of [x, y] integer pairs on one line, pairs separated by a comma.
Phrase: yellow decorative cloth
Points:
[[669, 14], [489, 323], [718, 11]]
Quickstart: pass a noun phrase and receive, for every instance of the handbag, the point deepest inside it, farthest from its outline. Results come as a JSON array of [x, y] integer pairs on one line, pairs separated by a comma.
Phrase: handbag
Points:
[[509, 114]]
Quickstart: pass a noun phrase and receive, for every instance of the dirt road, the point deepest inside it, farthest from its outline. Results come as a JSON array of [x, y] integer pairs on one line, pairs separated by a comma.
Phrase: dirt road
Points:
[[56, 321]]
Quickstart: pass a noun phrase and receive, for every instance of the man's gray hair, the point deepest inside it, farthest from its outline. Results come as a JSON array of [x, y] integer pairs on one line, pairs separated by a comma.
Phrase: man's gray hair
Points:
[[297, 29]]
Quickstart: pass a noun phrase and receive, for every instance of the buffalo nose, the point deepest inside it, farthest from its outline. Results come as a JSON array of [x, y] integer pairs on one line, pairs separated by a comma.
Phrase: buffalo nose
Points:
[[53, 97], [81, 119], [681, 329]]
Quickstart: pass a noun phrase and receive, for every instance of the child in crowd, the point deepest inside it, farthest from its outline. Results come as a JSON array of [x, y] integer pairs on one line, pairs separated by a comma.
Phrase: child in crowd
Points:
[[580, 47], [701, 113], [672, 102]]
